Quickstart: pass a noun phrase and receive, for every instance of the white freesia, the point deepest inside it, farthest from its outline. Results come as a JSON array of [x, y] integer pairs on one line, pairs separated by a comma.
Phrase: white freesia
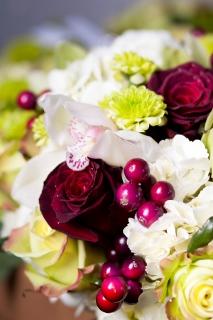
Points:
[[184, 164], [170, 232]]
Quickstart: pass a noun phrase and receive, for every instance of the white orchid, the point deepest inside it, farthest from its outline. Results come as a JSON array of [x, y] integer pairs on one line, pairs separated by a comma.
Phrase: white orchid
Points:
[[78, 131]]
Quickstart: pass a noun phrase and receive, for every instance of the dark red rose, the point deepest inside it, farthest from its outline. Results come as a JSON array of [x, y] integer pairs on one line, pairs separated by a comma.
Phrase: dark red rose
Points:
[[82, 203], [188, 93]]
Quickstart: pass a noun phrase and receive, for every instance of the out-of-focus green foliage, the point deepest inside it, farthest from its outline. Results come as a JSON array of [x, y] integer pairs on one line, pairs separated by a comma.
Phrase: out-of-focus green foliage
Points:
[[172, 15], [68, 52], [26, 50], [13, 123], [9, 89]]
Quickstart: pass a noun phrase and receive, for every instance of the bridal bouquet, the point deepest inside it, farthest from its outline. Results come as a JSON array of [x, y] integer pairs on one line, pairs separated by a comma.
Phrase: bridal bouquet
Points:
[[116, 211]]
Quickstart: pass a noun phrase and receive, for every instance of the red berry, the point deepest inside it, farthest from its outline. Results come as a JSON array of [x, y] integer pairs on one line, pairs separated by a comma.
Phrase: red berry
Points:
[[106, 305], [134, 291], [121, 246], [133, 268], [27, 100], [112, 255], [148, 213], [114, 289], [162, 191], [110, 269], [137, 170], [129, 196]]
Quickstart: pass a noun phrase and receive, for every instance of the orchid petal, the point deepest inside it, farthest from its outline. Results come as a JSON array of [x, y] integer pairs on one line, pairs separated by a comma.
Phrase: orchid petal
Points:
[[59, 110], [114, 149], [29, 182]]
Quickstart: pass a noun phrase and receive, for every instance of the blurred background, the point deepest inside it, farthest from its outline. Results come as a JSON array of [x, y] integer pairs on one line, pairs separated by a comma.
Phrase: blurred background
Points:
[[17, 17], [20, 17], [34, 38]]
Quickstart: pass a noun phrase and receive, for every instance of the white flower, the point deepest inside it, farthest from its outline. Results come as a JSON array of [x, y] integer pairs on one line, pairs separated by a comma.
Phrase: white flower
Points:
[[170, 232], [92, 78], [16, 219], [202, 205], [153, 245], [79, 75], [148, 308], [149, 44], [120, 314], [184, 164], [95, 91]]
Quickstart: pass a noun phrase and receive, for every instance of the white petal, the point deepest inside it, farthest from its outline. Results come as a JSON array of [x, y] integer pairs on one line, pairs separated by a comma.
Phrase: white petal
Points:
[[88, 113], [60, 109], [116, 148], [57, 118], [17, 219], [29, 182]]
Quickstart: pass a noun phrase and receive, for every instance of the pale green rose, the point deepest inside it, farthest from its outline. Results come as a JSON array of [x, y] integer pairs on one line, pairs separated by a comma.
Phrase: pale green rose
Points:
[[11, 161], [56, 263], [188, 285]]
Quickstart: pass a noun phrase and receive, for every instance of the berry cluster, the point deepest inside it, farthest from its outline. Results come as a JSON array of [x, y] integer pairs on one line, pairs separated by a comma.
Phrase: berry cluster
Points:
[[121, 276], [143, 193]]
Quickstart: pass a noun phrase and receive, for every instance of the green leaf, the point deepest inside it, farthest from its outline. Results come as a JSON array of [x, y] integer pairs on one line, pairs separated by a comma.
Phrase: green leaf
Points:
[[8, 263], [2, 240], [13, 123], [202, 237]]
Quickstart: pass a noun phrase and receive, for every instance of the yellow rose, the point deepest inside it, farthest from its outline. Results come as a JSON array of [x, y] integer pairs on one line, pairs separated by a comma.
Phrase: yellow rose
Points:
[[56, 263], [188, 285]]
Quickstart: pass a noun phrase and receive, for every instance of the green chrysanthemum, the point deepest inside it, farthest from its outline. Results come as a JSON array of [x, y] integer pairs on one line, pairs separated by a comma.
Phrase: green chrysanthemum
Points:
[[132, 64], [135, 108], [40, 134]]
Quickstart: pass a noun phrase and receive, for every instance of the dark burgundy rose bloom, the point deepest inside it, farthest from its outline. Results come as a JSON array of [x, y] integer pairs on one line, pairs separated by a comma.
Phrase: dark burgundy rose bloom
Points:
[[82, 203], [188, 93]]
